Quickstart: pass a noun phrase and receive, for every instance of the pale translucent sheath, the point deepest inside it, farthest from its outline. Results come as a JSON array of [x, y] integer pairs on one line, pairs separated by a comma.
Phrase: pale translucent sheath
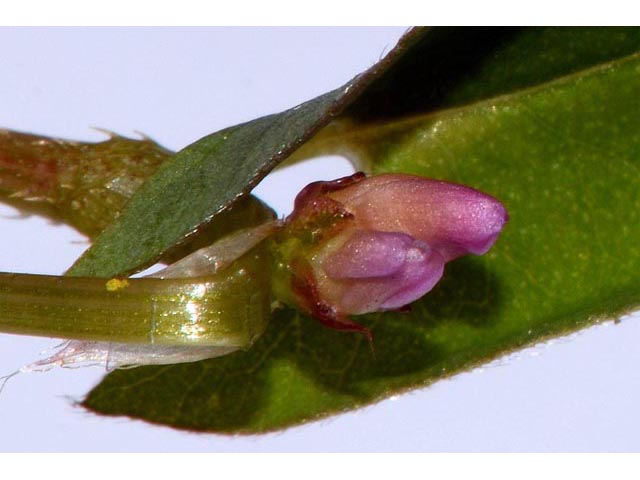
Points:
[[230, 308]]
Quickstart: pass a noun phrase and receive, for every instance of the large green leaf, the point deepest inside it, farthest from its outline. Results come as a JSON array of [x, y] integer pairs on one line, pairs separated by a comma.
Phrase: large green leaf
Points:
[[564, 158], [454, 66]]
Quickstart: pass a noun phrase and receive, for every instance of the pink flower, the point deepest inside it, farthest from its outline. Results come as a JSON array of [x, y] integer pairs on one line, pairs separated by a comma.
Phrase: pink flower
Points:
[[380, 243]]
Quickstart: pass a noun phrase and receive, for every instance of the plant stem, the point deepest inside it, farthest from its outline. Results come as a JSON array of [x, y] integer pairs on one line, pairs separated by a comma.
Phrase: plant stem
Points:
[[228, 308]]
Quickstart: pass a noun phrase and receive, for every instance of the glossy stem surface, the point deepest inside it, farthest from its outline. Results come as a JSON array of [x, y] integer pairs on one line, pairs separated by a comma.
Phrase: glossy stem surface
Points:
[[229, 308]]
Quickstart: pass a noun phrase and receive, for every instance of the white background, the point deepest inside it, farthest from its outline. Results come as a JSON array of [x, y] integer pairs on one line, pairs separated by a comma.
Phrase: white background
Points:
[[176, 85]]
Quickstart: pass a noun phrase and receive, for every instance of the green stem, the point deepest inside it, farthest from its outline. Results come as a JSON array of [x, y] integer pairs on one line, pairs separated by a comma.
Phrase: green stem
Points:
[[229, 308]]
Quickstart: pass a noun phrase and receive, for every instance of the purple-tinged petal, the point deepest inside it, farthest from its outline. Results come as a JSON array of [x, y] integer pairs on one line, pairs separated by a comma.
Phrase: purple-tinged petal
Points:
[[452, 219], [420, 272], [417, 278], [368, 253]]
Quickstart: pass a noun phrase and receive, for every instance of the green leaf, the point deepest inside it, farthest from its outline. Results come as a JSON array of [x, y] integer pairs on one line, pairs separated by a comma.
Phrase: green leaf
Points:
[[86, 185], [205, 178], [564, 158], [454, 66]]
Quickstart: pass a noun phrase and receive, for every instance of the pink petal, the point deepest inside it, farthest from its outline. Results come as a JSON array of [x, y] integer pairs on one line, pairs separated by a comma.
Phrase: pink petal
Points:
[[452, 219], [420, 272], [368, 253], [417, 278]]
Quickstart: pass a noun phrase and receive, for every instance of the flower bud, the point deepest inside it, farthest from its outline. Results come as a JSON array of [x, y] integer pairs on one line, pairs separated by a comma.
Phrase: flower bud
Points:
[[360, 245]]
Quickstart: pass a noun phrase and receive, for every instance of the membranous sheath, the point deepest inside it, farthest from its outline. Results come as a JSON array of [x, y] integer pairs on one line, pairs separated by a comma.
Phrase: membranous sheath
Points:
[[228, 308]]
